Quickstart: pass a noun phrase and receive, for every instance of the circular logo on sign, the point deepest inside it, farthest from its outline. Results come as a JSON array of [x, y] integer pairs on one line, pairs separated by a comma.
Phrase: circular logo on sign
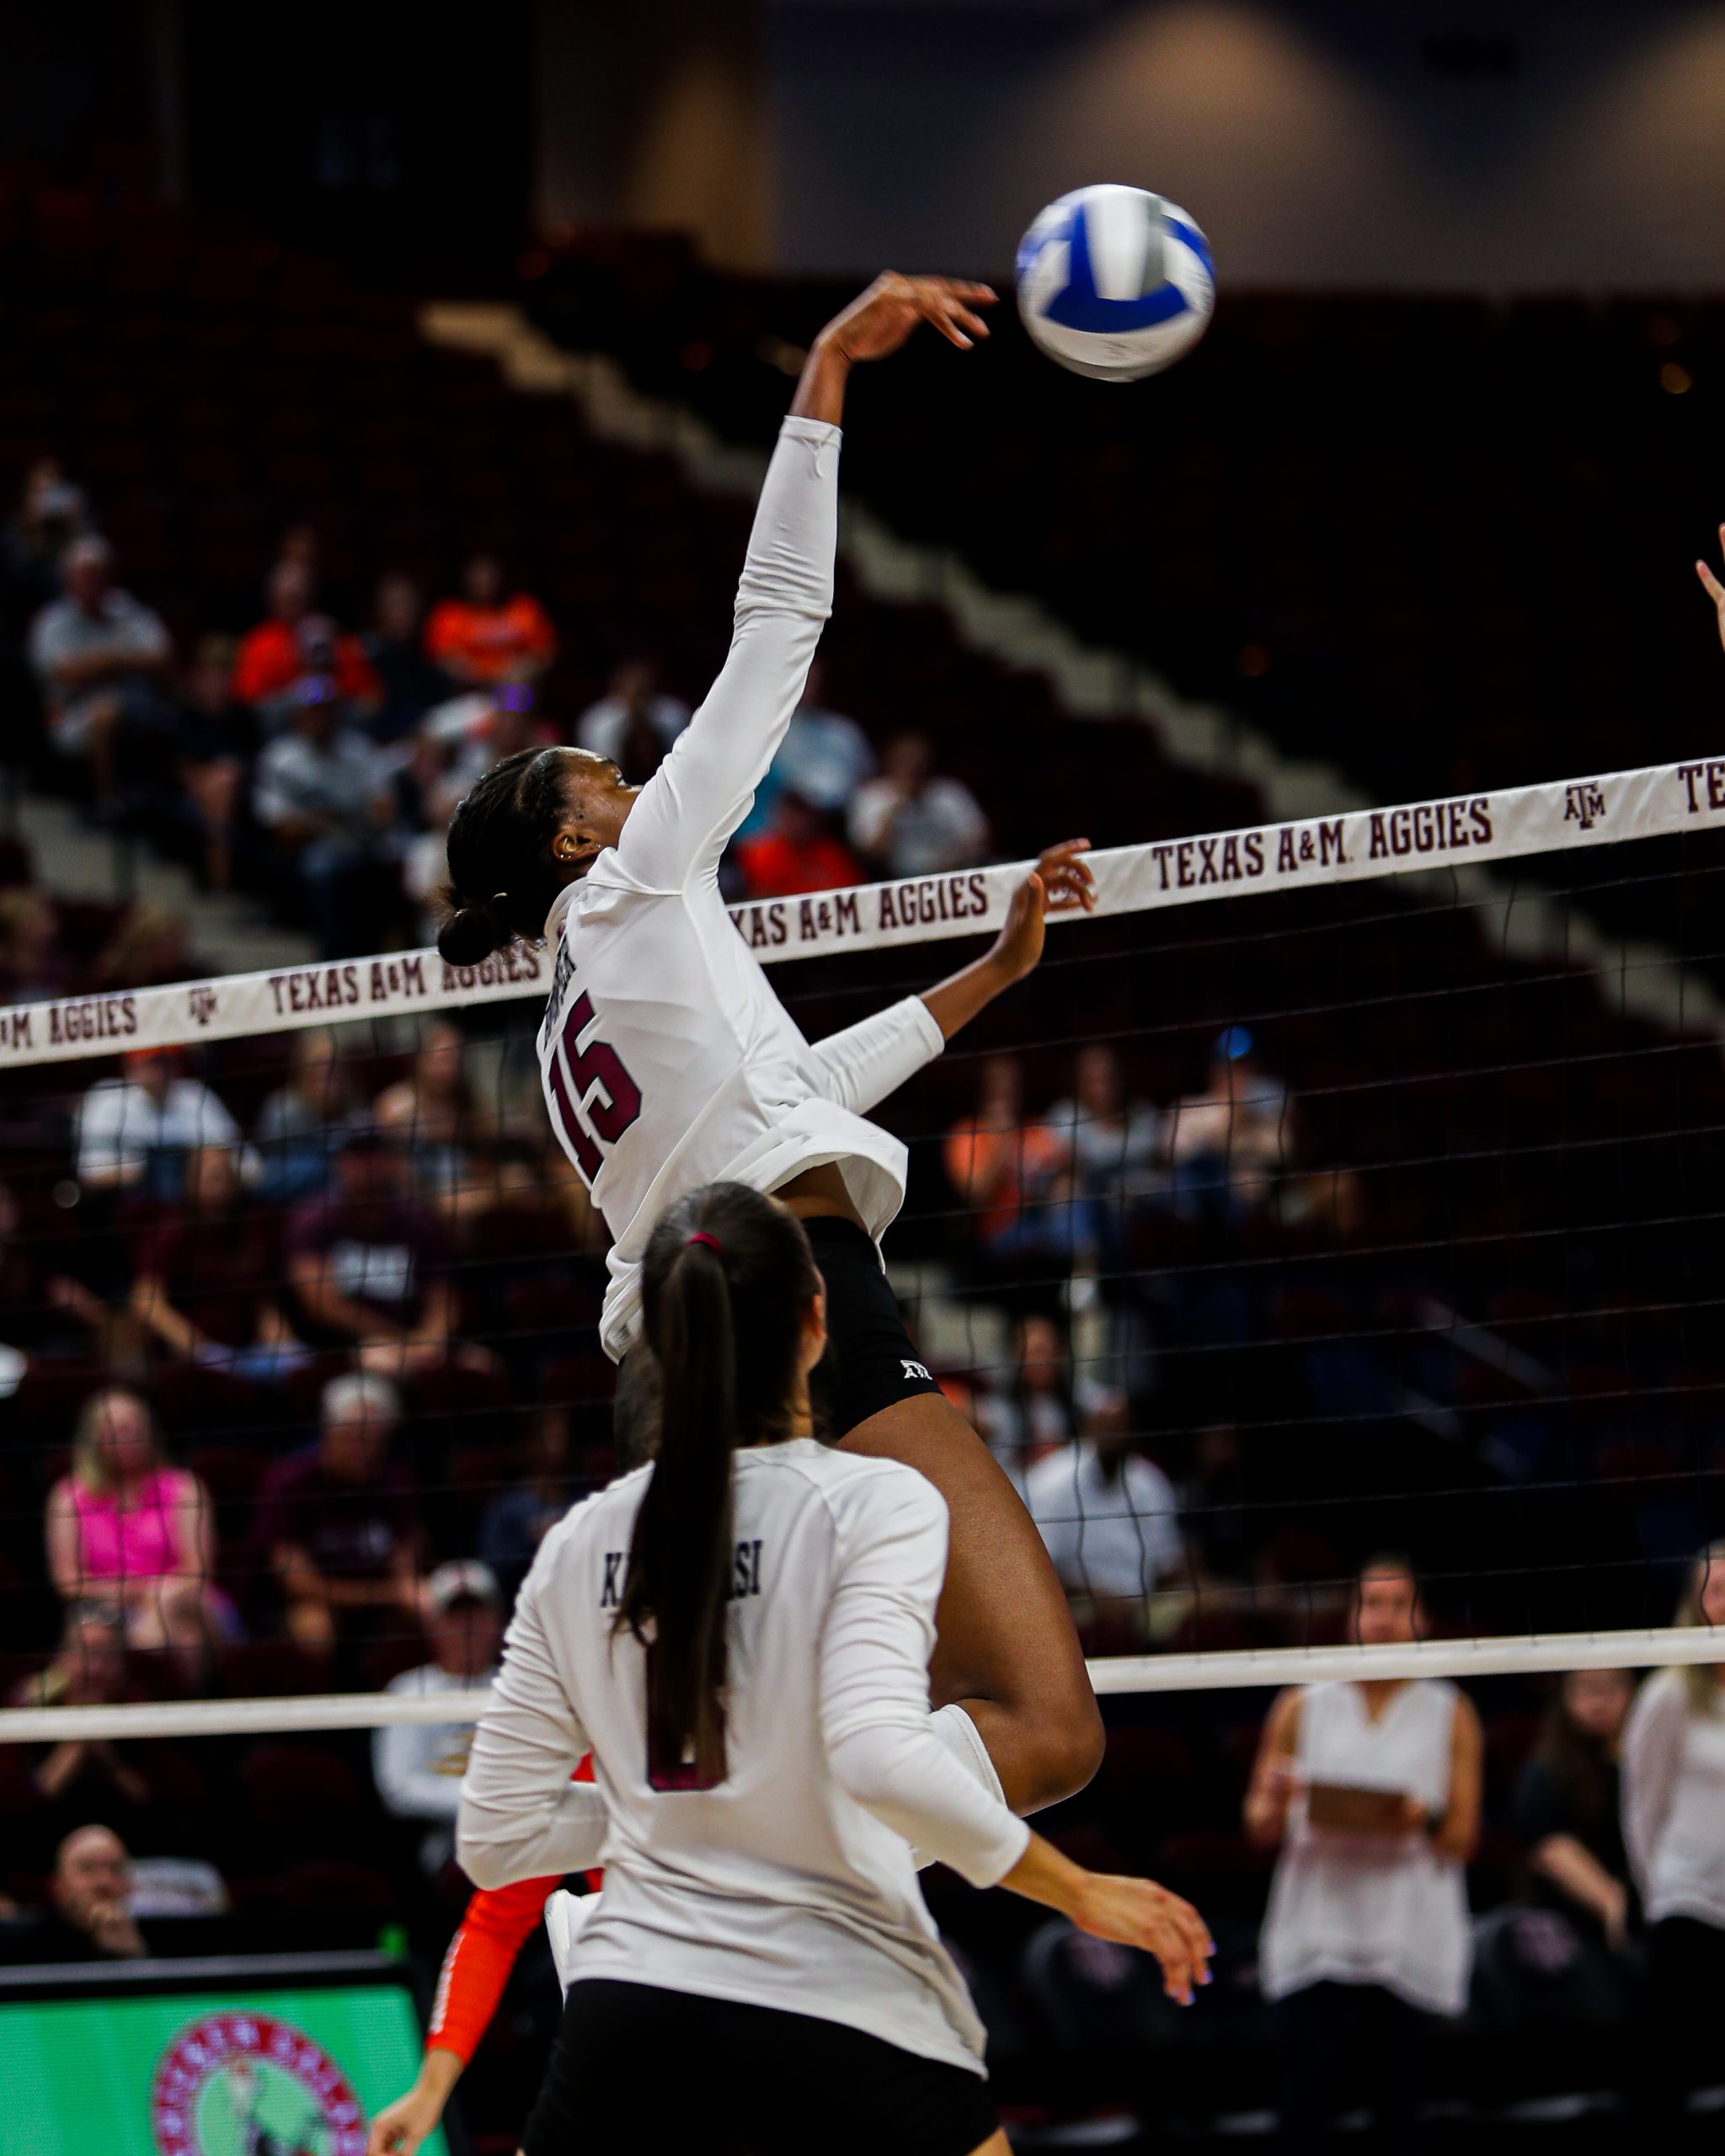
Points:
[[248, 2084]]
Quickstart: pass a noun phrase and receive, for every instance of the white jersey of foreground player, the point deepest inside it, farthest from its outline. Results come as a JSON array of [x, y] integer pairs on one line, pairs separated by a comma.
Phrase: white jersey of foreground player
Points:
[[792, 1884], [667, 1060]]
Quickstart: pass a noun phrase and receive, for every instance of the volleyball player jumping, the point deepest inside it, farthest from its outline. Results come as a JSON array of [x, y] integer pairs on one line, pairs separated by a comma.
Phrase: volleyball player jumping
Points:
[[741, 1633], [668, 1063]]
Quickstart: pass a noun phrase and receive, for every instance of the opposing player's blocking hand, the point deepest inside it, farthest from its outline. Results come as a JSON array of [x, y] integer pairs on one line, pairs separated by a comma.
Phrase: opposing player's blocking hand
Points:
[[875, 325], [1712, 585]]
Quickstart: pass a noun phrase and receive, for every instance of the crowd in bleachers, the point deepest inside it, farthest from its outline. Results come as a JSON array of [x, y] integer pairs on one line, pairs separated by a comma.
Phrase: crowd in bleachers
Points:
[[303, 1329]]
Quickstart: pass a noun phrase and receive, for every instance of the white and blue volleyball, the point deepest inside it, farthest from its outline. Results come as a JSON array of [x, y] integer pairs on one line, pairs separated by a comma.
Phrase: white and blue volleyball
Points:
[[1115, 283]]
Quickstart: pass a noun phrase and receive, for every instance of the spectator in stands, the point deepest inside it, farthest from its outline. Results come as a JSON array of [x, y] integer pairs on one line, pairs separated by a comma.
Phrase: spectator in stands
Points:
[[489, 635], [149, 948], [34, 967], [824, 756], [81, 1776], [1228, 1144], [323, 796], [41, 1309], [635, 721], [1568, 1805], [135, 1132], [437, 1116], [338, 1523], [99, 654], [1370, 1791], [51, 515], [795, 855], [91, 1895], [1114, 1143], [1034, 1412], [410, 682], [207, 739], [300, 1127], [418, 1766], [367, 1265], [1014, 1174], [88, 1668], [208, 1277], [1110, 1519], [294, 654], [124, 1527], [1674, 1826], [515, 1521], [908, 822]]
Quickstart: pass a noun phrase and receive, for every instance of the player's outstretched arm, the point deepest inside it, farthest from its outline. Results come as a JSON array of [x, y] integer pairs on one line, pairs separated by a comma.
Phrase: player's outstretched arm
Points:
[[876, 325], [1062, 882]]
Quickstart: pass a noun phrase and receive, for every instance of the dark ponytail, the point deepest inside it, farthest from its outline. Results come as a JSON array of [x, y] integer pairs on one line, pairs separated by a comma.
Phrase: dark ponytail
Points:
[[502, 880], [727, 1279]]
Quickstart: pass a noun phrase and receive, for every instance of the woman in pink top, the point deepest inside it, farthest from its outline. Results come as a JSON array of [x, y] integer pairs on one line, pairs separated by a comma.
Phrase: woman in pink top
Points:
[[126, 1528]]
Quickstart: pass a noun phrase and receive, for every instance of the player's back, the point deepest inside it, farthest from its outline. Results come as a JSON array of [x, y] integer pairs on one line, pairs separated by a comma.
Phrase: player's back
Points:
[[723, 1889]]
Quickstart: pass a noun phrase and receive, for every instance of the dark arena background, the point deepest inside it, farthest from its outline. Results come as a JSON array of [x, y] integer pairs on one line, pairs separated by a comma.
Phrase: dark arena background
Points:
[[392, 393]]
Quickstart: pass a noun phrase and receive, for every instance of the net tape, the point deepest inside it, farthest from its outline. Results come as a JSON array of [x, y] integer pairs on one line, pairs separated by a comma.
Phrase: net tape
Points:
[[1659, 801], [1247, 1670]]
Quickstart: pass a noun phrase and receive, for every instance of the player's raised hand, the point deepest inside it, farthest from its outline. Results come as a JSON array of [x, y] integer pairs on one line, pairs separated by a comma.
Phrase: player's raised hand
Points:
[[878, 323], [1062, 882], [1712, 585]]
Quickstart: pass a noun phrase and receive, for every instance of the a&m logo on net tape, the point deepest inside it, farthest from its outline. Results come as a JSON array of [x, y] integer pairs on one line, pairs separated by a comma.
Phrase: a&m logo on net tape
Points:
[[240, 2084], [1584, 804]]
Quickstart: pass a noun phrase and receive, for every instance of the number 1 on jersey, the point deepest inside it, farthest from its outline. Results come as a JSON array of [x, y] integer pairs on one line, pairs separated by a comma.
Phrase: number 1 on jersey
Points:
[[596, 1069]]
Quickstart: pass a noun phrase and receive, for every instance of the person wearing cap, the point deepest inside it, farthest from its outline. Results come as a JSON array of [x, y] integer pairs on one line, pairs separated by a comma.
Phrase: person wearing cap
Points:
[[136, 1132], [418, 1767], [97, 652], [1227, 1144]]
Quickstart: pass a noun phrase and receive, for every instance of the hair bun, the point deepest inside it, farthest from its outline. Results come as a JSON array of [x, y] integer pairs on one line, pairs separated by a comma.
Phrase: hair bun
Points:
[[471, 934]]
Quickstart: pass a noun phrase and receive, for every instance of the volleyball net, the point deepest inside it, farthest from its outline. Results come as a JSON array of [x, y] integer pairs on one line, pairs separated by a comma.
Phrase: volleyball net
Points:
[[1342, 1186]]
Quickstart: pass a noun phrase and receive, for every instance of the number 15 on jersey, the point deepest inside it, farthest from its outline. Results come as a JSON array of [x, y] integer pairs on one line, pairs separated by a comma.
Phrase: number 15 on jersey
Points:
[[596, 1098]]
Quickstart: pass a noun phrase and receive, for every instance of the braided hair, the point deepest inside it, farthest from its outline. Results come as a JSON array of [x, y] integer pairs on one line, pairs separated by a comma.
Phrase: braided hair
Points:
[[502, 879]]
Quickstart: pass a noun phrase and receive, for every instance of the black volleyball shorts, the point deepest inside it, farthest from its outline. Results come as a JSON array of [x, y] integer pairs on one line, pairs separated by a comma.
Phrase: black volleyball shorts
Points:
[[871, 1361], [637, 2070]]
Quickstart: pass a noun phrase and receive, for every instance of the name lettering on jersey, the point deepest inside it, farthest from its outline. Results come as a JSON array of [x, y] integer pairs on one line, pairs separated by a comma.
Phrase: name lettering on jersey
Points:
[[745, 1572], [561, 975]]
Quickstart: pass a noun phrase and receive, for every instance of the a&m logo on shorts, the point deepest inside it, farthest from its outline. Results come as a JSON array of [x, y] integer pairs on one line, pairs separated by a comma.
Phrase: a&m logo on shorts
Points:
[[247, 2085]]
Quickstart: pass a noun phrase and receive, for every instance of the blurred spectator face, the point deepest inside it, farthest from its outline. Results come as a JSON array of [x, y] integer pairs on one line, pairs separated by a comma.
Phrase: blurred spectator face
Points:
[[437, 1067], [154, 1069], [909, 762], [290, 593], [1710, 1591], [1097, 1082], [212, 1180], [1108, 1424], [1041, 1355], [121, 1438], [207, 677], [354, 1441], [318, 1075], [482, 581], [635, 683], [795, 820], [89, 569], [1001, 1099], [27, 929], [398, 610], [299, 543], [545, 1455], [465, 1638], [1386, 1608], [316, 717], [93, 1655], [92, 1876], [1597, 1702]]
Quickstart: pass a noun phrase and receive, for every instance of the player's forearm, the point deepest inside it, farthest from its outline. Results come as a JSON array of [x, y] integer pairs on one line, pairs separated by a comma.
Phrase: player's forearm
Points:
[[955, 1001], [821, 392]]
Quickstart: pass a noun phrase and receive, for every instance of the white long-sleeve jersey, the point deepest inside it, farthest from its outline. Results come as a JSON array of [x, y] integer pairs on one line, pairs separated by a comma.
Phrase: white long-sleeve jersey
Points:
[[666, 1058], [791, 1884]]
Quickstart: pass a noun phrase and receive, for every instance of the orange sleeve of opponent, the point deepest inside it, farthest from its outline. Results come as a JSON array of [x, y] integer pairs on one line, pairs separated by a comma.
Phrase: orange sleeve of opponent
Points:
[[499, 1922]]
